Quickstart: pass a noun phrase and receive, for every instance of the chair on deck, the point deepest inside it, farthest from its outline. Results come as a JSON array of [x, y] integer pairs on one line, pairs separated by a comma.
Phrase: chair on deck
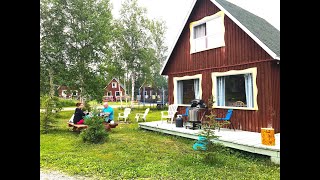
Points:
[[226, 118], [125, 114], [172, 109], [185, 115], [142, 115]]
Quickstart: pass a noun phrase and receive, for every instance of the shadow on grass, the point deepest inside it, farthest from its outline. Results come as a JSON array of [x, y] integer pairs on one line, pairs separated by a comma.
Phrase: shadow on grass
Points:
[[63, 131]]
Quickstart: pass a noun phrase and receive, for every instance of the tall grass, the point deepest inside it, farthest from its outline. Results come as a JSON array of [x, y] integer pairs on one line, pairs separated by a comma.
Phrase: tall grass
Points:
[[133, 153]]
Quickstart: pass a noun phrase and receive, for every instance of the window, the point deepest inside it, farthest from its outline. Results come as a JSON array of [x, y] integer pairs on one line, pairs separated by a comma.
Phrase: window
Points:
[[236, 89], [186, 89], [118, 93], [207, 33], [64, 93], [109, 93], [75, 93], [114, 85]]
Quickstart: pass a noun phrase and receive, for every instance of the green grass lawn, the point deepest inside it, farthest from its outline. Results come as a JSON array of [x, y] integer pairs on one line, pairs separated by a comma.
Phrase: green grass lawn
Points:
[[133, 153]]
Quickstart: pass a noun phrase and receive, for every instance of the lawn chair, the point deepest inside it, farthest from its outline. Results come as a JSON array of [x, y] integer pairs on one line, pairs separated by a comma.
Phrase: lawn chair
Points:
[[185, 115], [125, 114], [227, 118], [142, 116], [71, 119], [172, 109]]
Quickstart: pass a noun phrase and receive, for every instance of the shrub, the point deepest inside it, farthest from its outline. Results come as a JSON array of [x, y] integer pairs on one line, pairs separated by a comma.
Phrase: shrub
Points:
[[209, 153], [67, 102], [95, 133], [51, 107], [87, 107]]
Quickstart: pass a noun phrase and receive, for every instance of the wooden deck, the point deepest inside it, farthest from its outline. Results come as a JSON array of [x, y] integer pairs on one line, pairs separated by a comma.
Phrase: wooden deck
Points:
[[243, 140]]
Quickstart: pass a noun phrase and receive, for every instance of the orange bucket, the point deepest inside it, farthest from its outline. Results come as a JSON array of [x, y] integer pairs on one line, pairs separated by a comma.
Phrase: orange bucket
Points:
[[267, 136]]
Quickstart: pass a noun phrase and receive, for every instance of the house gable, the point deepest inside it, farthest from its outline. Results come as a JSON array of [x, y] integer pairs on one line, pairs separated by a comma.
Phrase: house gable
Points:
[[228, 72], [114, 90], [257, 29], [114, 80]]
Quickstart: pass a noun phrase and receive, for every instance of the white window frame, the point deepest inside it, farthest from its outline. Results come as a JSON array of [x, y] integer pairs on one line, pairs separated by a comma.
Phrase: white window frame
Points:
[[114, 84], [252, 71], [175, 85], [64, 93], [115, 93], [214, 38]]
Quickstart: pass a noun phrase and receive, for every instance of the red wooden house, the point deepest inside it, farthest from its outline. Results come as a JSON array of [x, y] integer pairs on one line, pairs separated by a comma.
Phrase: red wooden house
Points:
[[112, 92], [228, 54], [149, 94], [67, 93]]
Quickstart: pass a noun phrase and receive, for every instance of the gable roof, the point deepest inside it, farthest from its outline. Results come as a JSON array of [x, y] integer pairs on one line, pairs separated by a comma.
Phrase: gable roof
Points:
[[262, 32], [117, 81]]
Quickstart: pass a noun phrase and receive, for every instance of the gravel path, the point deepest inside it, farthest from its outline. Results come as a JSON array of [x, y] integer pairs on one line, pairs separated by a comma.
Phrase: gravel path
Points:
[[56, 175]]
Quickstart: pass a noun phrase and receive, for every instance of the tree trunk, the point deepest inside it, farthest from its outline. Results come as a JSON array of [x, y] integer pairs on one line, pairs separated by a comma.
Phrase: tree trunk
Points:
[[125, 91], [132, 89], [51, 82], [82, 93], [120, 93]]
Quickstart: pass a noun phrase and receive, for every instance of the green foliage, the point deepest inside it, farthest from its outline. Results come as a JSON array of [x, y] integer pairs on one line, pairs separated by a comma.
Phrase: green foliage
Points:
[[74, 42], [51, 109], [67, 102], [95, 133], [87, 107]]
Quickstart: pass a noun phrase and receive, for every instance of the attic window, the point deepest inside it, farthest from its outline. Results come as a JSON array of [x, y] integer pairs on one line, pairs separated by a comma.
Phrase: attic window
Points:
[[207, 33], [114, 85]]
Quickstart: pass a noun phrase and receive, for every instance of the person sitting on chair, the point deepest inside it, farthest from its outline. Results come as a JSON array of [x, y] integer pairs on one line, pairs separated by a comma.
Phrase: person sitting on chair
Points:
[[108, 112], [79, 114]]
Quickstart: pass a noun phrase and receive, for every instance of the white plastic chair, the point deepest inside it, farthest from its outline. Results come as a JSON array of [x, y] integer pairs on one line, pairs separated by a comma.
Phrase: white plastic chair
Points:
[[71, 119], [124, 115], [142, 116], [172, 110]]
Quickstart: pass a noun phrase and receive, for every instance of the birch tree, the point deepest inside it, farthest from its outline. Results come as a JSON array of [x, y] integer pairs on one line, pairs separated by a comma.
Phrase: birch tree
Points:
[[137, 52], [89, 32], [75, 38], [52, 45]]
